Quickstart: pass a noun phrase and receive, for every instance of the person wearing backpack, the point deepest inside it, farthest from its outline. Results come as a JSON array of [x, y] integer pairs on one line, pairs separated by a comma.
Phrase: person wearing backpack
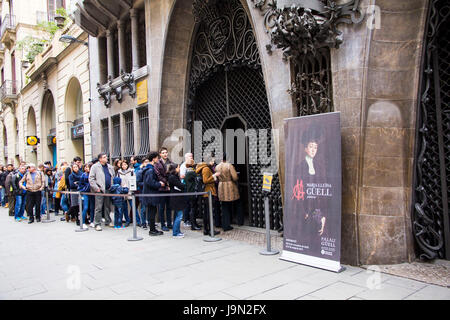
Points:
[[33, 183], [140, 188], [11, 199], [203, 169], [190, 181]]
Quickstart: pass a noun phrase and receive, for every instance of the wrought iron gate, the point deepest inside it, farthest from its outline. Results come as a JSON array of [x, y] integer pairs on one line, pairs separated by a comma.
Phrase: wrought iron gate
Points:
[[226, 79], [432, 161]]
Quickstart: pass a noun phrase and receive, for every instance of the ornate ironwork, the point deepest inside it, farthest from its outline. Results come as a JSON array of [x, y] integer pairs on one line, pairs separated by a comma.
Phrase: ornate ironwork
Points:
[[430, 214], [311, 87], [303, 26], [116, 138], [129, 135], [226, 79], [144, 146]]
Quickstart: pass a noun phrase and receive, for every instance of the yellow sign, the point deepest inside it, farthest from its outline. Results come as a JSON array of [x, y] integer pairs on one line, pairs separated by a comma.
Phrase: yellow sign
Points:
[[141, 90], [54, 140], [32, 140], [267, 182]]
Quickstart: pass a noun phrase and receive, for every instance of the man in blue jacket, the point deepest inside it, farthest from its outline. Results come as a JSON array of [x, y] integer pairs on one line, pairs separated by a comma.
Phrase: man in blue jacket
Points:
[[151, 186]]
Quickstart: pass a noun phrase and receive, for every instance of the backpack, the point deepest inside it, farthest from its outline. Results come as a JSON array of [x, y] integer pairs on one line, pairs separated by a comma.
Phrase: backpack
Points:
[[199, 185]]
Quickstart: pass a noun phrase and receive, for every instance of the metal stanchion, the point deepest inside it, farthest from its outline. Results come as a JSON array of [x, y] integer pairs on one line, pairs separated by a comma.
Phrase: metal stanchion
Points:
[[80, 202], [268, 251], [48, 209], [211, 238], [133, 209]]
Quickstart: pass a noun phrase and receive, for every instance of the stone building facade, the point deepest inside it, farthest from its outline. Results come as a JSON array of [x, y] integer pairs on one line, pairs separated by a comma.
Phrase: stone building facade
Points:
[[173, 52], [48, 98]]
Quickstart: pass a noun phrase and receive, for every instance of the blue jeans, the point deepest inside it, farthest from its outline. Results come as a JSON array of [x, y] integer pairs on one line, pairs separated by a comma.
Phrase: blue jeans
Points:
[[85, 201], [19, 208], [125, 210], [91, 208], [118, 213], [2, 196], [176, 224], [43, 203]]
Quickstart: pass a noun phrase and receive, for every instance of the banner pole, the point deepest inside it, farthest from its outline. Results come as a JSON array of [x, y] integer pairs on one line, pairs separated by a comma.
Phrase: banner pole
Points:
[[211, 238], [80, 203], [269, 251], [48, 209], [133, 209]]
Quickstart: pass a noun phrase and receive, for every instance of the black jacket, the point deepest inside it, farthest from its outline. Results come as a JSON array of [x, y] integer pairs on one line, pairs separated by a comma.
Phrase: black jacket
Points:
[[3, 178], [151, 186], [177, 203]]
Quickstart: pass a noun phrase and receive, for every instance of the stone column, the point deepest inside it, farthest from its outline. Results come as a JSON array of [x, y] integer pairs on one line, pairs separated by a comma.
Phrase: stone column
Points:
[[110, 52], [121, 39], [134, 38]]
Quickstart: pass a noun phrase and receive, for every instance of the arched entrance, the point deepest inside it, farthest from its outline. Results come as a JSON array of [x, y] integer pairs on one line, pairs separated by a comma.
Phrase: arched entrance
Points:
[[48, 129], [31, 155], [73, 107], [226, 82]]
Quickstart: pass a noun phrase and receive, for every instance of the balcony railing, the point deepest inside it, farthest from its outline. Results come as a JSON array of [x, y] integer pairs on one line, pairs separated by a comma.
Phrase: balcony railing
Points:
[[43, 16], [9, 88], [8, 23]]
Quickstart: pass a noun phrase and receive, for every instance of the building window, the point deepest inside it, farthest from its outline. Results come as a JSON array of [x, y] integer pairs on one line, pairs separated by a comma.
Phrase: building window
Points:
[[144, 147], [102, 58], [141, 40], [105, 136], [52, 6], [129, 135], [115, 152]]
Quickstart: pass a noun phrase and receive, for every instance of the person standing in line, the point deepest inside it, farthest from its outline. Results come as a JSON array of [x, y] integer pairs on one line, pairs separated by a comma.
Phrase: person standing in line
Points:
[[151, 185], [162, 172], [3, 175], [125, 174], [118, 201], [33, 183], [19, 193], [183, 168], [84, 186], [178, 203], [74, 181], [228, 190], [9, 195], [189, 180], [140, 189], [100, 180], [204, 170]]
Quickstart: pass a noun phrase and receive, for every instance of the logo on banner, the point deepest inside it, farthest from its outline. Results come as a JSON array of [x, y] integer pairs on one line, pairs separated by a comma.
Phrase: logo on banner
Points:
[[297, 192]]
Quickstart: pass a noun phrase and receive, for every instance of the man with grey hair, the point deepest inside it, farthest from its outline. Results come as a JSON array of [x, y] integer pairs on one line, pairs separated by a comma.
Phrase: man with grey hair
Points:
[[33, 182], [100, 180]]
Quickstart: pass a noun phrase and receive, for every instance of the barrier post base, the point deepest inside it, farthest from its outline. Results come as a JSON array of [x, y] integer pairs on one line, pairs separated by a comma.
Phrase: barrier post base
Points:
[[81, 229], [269, 253], [135, 238], [211, 239], [47, 221]]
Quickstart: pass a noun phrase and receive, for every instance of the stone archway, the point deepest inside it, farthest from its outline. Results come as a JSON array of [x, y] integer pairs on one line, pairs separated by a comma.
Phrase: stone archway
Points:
[[73, 110], [48, 128]]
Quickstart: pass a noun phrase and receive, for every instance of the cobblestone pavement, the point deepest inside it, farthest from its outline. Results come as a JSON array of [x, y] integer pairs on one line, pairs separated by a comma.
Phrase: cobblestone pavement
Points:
[[51, 261]]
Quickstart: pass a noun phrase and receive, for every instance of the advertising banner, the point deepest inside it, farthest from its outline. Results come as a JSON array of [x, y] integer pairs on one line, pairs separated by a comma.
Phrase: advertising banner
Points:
[[312, 203]]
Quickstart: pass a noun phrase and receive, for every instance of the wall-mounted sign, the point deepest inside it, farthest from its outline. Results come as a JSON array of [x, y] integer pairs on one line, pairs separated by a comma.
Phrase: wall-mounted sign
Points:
[[267, 182], [32, 140], [142, 92], [51, 140], [77, 132]]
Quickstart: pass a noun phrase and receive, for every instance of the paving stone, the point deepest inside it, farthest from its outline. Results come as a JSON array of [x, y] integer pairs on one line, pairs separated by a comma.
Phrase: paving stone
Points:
[[338, 291], [288, 291], [431, 292], [387, 292]]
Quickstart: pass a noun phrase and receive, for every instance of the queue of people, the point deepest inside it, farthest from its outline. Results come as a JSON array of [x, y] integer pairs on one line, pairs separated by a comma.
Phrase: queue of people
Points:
[[24, 189]]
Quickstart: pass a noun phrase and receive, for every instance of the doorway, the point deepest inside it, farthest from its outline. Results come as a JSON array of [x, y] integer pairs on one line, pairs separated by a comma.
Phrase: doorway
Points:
[[236, 147]]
